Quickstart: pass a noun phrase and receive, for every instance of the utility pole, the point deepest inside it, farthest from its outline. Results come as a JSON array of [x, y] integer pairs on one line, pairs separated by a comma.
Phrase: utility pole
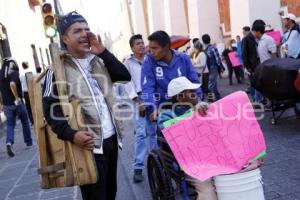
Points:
[[42, 59], [48, 57], [57, 7], [59, 13]]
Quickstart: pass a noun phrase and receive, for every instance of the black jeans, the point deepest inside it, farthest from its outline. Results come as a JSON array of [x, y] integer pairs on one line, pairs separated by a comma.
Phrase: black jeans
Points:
[[204, 86], [106, 187], [28, 107], [236, 70]]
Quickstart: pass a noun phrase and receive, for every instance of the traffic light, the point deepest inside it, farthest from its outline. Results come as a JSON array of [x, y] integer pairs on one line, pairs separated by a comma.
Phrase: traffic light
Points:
[[49, 20]]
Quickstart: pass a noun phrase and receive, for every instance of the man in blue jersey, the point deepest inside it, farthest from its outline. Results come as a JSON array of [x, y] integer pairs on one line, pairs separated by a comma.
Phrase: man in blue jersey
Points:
[[161, 66]]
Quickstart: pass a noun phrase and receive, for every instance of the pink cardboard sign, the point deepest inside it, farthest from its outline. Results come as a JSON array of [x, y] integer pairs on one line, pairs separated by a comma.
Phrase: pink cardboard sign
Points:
[[233, 57], [221, 142], [276, 35]]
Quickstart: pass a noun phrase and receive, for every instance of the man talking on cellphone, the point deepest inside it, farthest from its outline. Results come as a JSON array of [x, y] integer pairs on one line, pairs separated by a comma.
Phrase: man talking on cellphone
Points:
[[90, 72]]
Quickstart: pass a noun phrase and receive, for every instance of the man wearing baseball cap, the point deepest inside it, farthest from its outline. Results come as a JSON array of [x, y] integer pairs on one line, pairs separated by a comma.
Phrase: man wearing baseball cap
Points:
[[291, 38], [182, 94], [90, 72]]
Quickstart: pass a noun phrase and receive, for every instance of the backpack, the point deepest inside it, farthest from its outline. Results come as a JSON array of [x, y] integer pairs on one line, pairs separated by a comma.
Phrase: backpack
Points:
[[212, 61], [8, 66], [297, 28], [275, 78]]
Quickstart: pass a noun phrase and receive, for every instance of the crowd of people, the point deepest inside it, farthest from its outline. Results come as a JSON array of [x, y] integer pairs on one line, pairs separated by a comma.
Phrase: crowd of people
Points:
[[154, 81], [254, 48]]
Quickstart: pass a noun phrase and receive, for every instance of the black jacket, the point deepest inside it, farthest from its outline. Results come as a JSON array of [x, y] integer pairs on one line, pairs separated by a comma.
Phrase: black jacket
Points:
[[249, 53], [51, 107]]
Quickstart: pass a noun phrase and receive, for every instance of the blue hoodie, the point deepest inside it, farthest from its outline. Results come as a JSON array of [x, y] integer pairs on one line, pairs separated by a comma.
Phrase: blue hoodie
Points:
[[156, 75], [167, 114]]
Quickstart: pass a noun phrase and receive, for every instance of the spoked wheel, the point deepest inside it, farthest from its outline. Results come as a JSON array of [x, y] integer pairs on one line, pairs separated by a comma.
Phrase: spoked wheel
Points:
[[160, 183]]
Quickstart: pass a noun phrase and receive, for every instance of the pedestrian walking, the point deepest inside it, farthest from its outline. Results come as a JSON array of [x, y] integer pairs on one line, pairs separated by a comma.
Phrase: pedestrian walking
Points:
[[266, 49], [145, 130], [215, 66], [25, 90], [240, 57], [13, 105], [230, 47], [200, 64], [250, 56]]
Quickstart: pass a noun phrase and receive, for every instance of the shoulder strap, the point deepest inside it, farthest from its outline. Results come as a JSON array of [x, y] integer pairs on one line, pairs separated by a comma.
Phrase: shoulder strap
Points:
[[295, 28], [288, 37]]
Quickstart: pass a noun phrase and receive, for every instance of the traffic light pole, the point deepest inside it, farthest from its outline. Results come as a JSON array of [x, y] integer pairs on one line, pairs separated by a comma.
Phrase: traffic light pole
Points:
[[59, 14], [57, 9]]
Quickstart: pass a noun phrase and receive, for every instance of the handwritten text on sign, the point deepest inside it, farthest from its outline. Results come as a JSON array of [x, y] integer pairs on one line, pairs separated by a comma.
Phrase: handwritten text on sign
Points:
[[220, 143]]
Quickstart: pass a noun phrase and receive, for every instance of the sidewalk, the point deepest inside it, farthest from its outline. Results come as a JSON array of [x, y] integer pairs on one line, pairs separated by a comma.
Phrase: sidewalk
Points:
[[2, 123], [19, 179]]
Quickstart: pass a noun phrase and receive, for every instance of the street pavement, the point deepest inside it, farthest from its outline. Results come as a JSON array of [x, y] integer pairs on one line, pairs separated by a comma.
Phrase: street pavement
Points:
[[281, 177]]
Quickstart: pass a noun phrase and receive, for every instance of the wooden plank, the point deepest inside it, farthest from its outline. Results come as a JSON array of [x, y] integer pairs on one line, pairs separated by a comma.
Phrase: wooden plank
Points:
[[59, 72], [55, 148], [41, 76], [34, 91], [49, 146], [88, 174], [77, 172], [52, 168]]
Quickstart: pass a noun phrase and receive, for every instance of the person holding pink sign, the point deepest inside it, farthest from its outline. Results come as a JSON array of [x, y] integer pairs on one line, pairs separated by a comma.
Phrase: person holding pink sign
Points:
[[182, 94], [230, 49], [184, 99]]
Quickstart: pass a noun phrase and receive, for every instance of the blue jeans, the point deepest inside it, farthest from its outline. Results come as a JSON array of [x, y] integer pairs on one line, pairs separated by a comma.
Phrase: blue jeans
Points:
[[12, 112], [213, 84], [145, 139], [256, 95]]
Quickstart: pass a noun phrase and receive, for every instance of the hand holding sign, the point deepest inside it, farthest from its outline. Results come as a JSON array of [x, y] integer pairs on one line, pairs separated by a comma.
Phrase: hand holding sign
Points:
[[221, 142], [234, 59]]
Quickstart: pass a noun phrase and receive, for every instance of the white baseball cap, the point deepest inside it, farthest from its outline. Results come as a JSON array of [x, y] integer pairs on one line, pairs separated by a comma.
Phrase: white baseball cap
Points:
[[289, 16], [180, 84]]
